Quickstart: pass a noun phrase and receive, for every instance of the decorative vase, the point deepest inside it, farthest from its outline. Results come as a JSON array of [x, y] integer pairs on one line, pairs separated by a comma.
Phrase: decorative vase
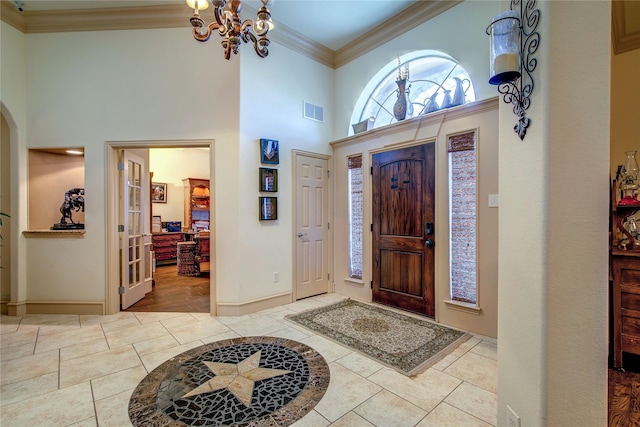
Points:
[[409, 112], [446, 101], [459, 91], [431, 105], [629, 183], [400, 107]]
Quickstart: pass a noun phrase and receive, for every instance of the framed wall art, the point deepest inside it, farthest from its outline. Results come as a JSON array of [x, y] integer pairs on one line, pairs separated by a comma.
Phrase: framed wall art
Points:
[[268, 180], [159, 192], [269, 151], [268, 208]]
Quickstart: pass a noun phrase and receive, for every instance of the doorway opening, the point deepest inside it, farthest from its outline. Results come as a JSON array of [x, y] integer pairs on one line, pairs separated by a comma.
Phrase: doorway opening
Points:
[[176, 286]]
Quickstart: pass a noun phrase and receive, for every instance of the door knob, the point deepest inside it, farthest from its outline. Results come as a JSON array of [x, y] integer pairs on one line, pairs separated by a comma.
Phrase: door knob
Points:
[[429, 243], [301, 234]]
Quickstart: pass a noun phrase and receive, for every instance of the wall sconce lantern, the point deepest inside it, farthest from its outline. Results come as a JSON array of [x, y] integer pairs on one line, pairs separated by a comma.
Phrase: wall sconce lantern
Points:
[[514, 40]]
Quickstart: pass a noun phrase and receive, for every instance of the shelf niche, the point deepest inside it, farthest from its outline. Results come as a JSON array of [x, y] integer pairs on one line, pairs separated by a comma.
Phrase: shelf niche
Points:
[[53, 172]]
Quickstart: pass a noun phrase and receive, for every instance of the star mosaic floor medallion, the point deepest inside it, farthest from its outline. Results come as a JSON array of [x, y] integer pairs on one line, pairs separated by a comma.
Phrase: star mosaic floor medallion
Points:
[[257, 381]]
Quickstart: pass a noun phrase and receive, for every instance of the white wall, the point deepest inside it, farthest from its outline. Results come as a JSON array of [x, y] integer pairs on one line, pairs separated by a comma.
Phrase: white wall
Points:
[[553, 273], [88, 88], [272, 94], [5, 208], [459, 32], [13, 105], [171, 166]]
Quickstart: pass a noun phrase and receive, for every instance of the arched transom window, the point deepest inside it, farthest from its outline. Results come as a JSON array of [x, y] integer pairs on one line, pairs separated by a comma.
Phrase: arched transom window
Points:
[[431, 81]]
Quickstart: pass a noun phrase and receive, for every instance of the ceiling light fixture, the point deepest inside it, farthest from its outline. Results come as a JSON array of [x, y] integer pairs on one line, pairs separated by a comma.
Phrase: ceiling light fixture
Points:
[[74, 152], [229, 25]]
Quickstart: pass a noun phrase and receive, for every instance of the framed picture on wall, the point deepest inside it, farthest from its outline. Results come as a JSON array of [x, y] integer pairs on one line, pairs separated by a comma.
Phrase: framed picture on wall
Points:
[[269, 151], [159, 192], [268, 180], [268, 208]]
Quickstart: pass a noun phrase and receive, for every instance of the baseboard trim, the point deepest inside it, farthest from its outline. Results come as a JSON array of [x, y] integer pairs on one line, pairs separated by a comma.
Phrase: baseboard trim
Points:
[[248, 307], [52, 307]]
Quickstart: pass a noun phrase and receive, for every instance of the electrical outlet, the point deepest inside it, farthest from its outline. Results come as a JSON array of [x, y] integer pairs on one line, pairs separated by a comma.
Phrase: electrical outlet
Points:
[[276, 276], [494, 200], [513, 420]]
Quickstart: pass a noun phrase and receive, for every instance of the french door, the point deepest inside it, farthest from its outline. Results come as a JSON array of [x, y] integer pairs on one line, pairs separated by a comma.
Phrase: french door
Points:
[[135, 275]]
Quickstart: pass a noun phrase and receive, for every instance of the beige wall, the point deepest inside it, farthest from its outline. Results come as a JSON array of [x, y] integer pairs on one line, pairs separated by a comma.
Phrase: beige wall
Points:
[[51, 175], [482, 117], [553, 240], [5, 207], [625, 108], [171, 166]]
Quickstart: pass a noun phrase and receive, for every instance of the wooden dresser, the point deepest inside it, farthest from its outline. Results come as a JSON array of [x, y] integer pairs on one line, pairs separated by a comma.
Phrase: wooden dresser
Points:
[[165, 247], [626, 305], [203, 252], [625, 282]]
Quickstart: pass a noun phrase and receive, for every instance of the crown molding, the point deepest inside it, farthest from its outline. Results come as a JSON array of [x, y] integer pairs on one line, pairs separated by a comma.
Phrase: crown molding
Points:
[[622, 40], [125, 18], [295, 41], [177, 16], [9, 14], [404, 21]]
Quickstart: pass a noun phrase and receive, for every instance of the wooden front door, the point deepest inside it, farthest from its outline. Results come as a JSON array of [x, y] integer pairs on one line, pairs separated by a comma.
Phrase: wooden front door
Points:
[[403, 228]]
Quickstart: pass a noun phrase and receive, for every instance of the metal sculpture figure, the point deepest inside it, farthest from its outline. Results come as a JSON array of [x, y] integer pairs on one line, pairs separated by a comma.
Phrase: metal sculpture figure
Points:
[[73, 201]]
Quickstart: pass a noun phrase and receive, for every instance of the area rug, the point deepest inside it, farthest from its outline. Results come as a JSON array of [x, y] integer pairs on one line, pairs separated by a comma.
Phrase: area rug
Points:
[[250, 381], [408, 344]]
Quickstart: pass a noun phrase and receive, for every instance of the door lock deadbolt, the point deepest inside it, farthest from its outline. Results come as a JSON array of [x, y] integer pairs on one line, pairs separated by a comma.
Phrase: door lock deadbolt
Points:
[[428, 229]]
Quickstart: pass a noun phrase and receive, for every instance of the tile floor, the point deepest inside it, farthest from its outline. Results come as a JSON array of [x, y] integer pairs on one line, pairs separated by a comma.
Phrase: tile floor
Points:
[[69, 370]]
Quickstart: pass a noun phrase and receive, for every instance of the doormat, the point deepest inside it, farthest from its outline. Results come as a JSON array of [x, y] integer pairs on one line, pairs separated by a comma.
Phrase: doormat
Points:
[[249, 381], [408, 344]]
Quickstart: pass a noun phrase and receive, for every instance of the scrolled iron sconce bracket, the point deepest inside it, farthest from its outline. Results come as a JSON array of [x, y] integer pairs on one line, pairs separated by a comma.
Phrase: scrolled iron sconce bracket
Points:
[[518, 92]]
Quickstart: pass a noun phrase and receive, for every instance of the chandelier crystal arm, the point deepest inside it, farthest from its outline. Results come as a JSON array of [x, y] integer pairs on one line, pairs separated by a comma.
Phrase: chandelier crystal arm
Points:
[[260, 45], [234, 30]]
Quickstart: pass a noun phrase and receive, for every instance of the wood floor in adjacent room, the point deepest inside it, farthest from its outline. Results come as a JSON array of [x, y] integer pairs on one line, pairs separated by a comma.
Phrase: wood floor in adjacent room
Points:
[[174, 293], [624, 393]]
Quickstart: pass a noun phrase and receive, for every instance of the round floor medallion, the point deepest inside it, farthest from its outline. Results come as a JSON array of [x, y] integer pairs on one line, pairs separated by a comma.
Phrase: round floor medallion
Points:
[[257, 381]]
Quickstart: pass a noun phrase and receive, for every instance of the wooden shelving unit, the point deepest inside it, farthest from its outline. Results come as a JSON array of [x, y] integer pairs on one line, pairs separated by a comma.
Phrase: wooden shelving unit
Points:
[[197, 197]]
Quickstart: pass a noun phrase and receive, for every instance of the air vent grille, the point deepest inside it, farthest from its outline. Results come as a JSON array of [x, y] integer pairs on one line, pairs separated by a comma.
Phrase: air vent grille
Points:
[[313, 112]]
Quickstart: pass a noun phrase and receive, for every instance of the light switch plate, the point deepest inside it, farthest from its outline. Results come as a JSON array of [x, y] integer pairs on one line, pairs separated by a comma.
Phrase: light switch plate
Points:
[[494, 200], [513, 420]]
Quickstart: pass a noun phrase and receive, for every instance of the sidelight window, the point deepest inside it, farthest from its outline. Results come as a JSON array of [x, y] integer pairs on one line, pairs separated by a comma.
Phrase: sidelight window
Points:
[[355, 216], [463, 217]]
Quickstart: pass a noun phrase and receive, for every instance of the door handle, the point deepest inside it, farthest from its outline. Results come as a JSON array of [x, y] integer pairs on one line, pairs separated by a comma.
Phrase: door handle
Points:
[[301, 235], [429, 243]]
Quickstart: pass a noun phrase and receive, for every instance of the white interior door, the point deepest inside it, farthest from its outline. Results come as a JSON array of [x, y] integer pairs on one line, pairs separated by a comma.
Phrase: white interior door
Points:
[[312, 224], [132, 239]]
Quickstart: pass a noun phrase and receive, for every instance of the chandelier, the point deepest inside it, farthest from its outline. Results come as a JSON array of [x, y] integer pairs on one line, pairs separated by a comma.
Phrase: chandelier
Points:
[[229, 25]]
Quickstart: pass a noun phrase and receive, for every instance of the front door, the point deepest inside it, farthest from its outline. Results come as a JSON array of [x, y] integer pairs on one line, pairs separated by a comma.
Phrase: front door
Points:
[[403, 228], [133, 247], [312, 224]]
